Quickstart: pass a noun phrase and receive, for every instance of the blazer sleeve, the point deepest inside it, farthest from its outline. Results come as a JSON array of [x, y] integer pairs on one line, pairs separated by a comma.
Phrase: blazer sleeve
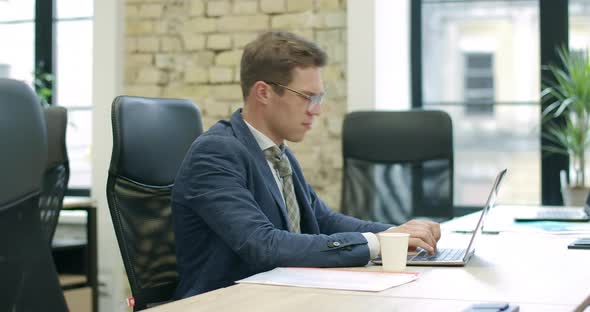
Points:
[[331, 222], [217, 190]]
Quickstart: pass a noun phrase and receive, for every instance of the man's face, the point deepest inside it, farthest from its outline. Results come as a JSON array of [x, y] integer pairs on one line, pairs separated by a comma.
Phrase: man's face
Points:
[[288, 115]]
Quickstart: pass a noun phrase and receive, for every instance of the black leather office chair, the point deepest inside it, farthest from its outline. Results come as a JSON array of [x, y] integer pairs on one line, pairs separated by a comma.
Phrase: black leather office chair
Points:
[[398, 165], [28, 279], [150, 139], [57, 171]]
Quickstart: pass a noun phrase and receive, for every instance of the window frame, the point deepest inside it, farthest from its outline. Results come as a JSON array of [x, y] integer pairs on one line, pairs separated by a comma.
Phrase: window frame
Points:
[[554, 31], [45, 54]]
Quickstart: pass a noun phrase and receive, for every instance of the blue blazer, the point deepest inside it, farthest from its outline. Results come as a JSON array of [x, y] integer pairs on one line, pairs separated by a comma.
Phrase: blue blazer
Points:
[[230, 219]]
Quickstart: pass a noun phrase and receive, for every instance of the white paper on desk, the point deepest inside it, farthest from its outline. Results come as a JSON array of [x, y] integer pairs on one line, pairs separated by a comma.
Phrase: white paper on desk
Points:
[[332, 278]]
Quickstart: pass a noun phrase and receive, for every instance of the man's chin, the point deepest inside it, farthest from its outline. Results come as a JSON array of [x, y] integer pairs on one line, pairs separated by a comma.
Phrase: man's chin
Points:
[[296, 138]]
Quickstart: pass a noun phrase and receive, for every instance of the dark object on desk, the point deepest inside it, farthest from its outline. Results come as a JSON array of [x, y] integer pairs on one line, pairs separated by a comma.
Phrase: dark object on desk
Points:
[[492, 307], [397, 165], [57, 172], [580, 243], [28, 280], [150, 139]]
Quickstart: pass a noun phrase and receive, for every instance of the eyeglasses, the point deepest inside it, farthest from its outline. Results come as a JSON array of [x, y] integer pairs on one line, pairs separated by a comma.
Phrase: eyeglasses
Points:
[[314, 100]]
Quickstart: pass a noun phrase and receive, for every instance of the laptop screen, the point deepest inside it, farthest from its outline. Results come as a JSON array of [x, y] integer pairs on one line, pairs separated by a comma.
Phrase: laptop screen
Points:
[[489, 204]]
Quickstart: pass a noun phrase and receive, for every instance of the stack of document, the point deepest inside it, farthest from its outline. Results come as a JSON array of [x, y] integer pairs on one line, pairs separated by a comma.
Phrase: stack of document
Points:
[[332, 278]]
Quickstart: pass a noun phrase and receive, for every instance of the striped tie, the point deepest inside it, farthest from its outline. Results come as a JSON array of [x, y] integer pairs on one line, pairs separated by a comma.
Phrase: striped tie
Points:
[[281, 164]]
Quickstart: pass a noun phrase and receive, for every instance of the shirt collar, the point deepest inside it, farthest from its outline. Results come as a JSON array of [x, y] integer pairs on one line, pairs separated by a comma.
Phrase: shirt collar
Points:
[[263, 141]]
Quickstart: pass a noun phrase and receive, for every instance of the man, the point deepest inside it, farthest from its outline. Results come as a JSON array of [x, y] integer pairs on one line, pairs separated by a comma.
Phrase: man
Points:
[[240, 202]]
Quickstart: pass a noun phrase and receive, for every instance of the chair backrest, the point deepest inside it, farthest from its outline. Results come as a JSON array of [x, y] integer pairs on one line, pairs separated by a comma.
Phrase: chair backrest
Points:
[[398, 165], [150, 139], [57, 171], [28, 279]]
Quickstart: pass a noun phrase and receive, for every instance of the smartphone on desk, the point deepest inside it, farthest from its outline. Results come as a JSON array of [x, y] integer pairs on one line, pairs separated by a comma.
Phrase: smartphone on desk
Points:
[[492, 307], [580, 243]]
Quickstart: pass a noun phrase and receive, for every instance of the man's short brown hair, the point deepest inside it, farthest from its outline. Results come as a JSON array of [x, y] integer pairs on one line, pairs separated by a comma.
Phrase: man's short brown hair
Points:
[[273, 55]]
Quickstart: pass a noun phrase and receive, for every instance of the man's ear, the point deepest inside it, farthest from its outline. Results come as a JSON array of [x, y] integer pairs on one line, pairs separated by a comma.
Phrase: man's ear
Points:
[[261, 92]]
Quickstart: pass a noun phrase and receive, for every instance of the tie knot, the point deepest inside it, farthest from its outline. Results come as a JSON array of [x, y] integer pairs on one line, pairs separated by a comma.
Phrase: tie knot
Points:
[[279, 160]]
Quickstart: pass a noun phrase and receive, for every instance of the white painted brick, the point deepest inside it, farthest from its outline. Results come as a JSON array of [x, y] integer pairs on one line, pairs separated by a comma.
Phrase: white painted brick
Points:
[[218, 7], [197, 8], [219, 109], [332, 72], [336, 53], [197, 75], [334, 125], [203, 25], [305, 33], [219, 42], [139, 60], [242, 39], [183, 90], [142, 90], [152, 10], [245, 7], [171, 44], [147, 75], [148, 44], [165, 61], [170, 26], [219, 74], [139, 27], [131, 11], [273, 6], [299, 5], [193, 42], [226, 92], [229, 58], [292, 21], [237, 74], [327, 5], [327, 38], [243, 23], [330, 20], [131, 44], [203, 58]]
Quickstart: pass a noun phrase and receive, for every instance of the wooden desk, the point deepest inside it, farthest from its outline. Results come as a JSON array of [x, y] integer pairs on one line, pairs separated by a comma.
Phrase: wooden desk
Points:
[[77, 261], [533, 270]]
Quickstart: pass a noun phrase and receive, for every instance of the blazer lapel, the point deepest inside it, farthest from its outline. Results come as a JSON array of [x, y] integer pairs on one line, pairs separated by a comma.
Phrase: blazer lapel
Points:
[[245, 136]]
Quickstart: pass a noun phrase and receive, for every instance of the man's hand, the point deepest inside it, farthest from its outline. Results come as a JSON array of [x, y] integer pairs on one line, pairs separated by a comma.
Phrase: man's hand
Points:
[[423, 234]]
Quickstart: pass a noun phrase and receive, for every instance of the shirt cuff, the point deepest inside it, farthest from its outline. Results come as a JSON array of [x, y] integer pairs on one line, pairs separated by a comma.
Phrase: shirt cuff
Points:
[[373, 243]]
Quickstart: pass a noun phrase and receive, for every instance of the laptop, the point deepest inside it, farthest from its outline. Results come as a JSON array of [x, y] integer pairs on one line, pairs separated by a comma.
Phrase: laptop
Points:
[[460, 256], [565, 214]]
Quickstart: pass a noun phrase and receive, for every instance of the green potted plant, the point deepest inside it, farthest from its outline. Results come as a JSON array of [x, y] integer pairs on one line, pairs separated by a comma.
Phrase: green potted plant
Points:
[[43, 83], [567, 119]]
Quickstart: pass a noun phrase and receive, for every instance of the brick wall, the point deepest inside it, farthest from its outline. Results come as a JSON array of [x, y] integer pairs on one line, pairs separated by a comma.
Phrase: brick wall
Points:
[[192, 49]]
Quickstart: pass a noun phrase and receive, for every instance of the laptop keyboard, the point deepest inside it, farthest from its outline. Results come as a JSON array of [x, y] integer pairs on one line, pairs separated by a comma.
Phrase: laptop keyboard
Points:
[[441, 255]]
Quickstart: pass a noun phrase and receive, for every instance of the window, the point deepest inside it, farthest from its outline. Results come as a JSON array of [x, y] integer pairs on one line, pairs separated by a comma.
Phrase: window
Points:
[[73, 83], [579, 31], [17, 26], [479, 83], [480, 63], [69, 48]]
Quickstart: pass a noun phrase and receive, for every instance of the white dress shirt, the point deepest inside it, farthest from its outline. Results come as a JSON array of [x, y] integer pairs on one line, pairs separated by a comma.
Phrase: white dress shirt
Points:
[[265, 142]]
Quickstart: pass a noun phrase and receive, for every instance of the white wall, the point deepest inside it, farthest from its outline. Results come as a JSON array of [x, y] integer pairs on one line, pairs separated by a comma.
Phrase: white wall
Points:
[[378, 71], [107, 83]]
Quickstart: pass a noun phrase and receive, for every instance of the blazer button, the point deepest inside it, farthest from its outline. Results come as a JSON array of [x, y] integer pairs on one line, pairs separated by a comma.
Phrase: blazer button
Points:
[[336, 244]]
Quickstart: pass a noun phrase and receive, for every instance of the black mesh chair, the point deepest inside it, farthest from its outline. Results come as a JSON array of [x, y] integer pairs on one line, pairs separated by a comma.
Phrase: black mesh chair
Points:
[[57, 171], [28, 279], [398, 165], [150, 139]]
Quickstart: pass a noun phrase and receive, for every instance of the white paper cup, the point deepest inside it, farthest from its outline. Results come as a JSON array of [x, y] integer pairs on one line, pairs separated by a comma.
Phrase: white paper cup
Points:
[[394, 250]]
